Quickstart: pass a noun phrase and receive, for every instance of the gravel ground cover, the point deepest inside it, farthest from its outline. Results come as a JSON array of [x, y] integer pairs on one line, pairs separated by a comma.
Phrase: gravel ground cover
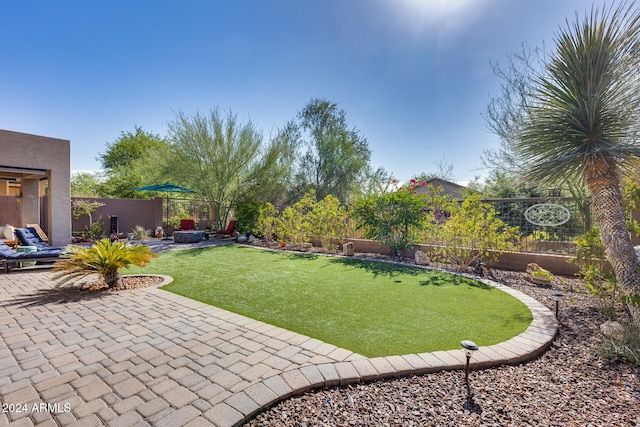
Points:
[[569, 385]]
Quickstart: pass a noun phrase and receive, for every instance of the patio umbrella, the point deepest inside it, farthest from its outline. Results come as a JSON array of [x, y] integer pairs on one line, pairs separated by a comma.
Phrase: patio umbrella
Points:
[[165, 188]]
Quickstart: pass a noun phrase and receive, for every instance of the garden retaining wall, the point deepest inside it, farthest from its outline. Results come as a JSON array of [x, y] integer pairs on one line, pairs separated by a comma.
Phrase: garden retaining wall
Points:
[[516, 261]]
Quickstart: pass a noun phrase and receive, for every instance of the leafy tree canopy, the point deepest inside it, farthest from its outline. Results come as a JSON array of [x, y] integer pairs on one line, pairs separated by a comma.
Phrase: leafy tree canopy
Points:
[[121, 159], [221, 158], [85, 184], [129, 147], [335, 157]]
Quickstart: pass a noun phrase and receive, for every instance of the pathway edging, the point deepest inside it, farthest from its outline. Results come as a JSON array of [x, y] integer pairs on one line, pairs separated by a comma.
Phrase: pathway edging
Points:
[[239, 409]]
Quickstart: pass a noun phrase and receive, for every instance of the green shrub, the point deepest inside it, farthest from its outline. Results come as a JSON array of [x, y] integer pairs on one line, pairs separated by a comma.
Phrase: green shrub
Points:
[[625, 346], [599, 279], [246, 214], [266, 222], [471, 230], [392, 219], [543, 274], [96, 230], [328, 221]]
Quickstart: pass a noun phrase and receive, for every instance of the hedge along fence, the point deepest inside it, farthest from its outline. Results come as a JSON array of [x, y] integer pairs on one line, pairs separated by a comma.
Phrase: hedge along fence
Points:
[[515, 261]]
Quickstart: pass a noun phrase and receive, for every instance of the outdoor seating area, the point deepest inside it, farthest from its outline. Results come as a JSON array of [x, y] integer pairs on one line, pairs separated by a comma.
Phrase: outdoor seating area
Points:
[[11, 258], [30, 237]]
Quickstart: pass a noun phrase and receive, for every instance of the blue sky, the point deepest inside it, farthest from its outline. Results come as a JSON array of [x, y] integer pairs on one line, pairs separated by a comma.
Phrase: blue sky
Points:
[[412, 75]]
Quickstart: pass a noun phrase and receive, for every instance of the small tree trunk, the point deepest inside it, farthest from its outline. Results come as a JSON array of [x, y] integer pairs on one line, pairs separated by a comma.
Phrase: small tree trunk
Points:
[[604, 184], [112, 278]]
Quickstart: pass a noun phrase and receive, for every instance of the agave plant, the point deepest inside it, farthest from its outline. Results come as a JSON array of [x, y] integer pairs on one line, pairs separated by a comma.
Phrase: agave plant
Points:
[[139, 233], [105, 258]]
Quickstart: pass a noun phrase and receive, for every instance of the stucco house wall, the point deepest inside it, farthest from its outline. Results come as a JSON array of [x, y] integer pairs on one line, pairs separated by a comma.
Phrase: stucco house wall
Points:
[[44, 157]]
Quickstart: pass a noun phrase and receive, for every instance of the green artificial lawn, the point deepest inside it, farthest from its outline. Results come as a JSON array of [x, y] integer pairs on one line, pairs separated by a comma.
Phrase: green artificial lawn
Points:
[[371, 308]]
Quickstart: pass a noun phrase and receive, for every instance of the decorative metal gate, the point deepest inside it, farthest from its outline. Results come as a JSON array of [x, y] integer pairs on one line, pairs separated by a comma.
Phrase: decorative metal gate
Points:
[[546, 224]]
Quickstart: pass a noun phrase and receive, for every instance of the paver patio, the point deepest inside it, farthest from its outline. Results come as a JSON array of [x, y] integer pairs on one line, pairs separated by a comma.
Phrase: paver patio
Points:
[[150, 357]]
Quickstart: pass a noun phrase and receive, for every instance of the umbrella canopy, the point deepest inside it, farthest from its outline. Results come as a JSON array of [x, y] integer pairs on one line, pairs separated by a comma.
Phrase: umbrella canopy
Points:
[[166, 187]]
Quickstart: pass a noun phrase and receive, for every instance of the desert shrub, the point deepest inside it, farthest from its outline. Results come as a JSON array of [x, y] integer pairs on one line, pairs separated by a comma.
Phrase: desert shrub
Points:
[[598, 278], [625, 346], [293, 223], [266, 222], [139, 233], [393, 219], [328, 221], [470, 231]]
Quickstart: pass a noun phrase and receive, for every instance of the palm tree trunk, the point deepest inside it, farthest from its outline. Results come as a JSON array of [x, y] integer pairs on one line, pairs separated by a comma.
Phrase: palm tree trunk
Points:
[[111, 278], [604, 185]]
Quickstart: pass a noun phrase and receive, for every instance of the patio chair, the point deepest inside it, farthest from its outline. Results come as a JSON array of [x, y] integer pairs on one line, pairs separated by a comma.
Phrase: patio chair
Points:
[[39, 232], [29, 237], [230, 228], [187, 225], [9, 258]]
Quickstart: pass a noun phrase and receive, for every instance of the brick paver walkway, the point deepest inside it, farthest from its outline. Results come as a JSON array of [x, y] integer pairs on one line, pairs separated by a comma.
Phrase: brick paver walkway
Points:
[[149, 357]]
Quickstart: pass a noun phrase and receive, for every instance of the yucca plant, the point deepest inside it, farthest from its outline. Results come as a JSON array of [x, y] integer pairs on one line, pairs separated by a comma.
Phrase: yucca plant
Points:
[[582, 125], [105, 258], [139, 233]]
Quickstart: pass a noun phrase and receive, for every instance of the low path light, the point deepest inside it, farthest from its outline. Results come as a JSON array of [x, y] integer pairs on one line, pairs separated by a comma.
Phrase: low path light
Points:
[[469, 348], [557, 297]]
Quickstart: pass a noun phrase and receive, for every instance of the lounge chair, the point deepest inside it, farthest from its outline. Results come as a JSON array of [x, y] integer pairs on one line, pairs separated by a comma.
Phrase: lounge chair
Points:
[[29, 237], [187, 225], [230, 228], [39, 231], [9, 258]]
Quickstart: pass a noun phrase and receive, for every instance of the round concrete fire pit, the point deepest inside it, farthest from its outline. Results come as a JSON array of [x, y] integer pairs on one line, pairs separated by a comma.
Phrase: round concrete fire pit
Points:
[[192, 236]]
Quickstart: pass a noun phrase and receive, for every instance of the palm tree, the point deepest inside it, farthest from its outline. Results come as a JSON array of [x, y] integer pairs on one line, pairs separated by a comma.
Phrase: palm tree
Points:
[[105, 258], [582, 121]]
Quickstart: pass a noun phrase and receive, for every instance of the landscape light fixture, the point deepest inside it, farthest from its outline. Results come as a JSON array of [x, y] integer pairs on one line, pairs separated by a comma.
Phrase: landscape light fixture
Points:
[[469, 348], [479, 268], [557, 297]]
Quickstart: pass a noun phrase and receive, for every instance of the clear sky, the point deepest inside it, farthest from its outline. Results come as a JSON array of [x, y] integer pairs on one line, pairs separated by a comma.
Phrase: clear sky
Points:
[[412, 75]]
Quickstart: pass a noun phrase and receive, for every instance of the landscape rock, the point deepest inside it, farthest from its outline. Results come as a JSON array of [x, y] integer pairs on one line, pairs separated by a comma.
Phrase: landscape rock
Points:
[[347, 249], [422, 258], [542, 278]]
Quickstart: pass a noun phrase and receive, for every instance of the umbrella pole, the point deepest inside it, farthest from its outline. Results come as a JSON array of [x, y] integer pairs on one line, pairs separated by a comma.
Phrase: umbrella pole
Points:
[[166, 234]]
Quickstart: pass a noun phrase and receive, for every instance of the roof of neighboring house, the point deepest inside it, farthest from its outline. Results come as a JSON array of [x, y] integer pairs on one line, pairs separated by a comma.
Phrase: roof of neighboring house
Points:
[[439, 181], [448, 187]]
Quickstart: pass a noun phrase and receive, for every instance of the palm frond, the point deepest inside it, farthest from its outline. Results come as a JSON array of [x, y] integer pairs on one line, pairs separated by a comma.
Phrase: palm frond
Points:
[[103, 258], [586, 106]]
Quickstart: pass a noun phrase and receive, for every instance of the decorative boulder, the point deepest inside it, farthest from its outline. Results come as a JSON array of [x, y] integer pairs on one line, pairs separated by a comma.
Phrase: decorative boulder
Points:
[[422, 258], [305, 246], [611, 329], [347, 249], [538, 275]]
